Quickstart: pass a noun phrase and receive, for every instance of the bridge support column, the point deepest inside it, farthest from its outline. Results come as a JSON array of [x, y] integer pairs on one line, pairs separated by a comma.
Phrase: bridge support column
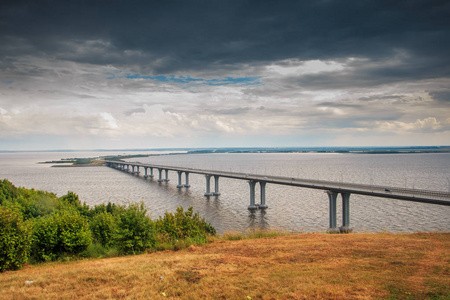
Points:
[[332, 210], [160, 175], [179, 185], [216, 185], [208, 185], [137, 170], [187, 185], [345, 213], [252, 195], [145, 175], [132, 169], [262, 185], [167, 175], [151, 173]]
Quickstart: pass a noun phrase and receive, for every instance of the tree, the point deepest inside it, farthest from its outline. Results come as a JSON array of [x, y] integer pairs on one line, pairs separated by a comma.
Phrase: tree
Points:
[[14, 240]]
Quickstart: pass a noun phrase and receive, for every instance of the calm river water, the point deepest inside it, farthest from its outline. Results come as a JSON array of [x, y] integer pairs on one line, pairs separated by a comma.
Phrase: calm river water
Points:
[[290, 208]]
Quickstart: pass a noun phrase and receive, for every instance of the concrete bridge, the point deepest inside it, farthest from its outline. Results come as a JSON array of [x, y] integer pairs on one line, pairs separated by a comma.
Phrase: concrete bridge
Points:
[[331, 188]]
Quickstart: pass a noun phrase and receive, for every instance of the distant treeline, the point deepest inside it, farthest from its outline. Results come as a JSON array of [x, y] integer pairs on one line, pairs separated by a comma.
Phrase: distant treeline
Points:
[[38, 226], [93, 160], [356, 150]]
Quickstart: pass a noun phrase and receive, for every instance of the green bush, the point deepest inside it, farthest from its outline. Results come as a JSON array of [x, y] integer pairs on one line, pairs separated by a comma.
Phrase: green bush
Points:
[[96, 250], [103, 226], [65, 232], [14, 240], [184, 224], [72, 200], [135, 231], [7, 191]]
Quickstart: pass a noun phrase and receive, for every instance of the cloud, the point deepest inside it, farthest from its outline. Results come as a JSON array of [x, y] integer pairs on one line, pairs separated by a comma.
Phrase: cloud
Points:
[[183, 70], [186, 36], [430, 124]]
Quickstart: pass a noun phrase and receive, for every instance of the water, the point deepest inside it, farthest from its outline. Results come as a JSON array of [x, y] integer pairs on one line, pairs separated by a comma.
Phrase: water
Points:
[[290, 208]]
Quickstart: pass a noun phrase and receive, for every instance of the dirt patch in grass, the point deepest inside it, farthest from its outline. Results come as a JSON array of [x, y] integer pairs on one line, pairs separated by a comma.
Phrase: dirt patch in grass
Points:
[[306, 266]]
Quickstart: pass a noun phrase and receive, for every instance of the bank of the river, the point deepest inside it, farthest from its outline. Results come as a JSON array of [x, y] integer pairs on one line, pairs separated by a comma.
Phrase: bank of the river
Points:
[[307, 266]]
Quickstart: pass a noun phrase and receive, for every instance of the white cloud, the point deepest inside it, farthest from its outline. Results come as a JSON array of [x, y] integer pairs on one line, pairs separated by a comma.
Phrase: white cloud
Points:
[[296, 67], [428, 124]]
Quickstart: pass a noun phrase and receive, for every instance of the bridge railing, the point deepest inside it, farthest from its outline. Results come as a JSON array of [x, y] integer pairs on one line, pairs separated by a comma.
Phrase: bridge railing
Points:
[[366, 187], [322, 183]]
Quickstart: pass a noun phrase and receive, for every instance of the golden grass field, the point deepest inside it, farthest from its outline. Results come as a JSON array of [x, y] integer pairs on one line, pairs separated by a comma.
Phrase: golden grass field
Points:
[[305, 266]]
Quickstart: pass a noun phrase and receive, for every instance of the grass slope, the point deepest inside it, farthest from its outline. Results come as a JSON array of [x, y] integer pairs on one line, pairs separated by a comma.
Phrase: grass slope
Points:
[[318, 266]]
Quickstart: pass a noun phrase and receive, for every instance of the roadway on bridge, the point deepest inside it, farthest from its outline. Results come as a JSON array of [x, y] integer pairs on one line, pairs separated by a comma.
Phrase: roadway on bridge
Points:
[[416, 195]]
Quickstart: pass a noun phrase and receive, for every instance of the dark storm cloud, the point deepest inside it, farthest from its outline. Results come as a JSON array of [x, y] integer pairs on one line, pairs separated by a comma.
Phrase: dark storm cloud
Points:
[[164, 37], [442, 96]]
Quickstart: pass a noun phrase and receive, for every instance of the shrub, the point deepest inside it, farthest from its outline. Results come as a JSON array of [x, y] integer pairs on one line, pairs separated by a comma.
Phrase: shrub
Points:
[[103, 227], [135, 231], [184, 224], [65, 232], [96, 250], [14, 240], [72, 200], [7, 191]]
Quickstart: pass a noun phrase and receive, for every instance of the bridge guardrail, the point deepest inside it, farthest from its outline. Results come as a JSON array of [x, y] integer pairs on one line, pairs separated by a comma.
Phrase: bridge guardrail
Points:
[[323, 183]]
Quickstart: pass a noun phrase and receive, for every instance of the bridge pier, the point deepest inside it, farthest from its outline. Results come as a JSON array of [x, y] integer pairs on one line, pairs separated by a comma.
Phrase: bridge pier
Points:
[[160, 175], [179, 185], [208, 185], [216, 185], [187, 185], [345, 228], [252, 185], [332, 211], [151, 173], [262, 185], [166, 179]]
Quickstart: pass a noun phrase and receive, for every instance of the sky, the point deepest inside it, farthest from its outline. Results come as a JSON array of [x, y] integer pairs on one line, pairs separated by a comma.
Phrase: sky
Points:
[[118, 74]]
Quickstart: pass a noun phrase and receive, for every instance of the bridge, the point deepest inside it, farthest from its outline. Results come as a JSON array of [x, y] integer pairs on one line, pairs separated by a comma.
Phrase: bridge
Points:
[[332, 188]]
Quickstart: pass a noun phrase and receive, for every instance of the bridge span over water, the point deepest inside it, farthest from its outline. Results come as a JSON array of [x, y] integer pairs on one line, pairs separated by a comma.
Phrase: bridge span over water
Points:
[[331, 188]]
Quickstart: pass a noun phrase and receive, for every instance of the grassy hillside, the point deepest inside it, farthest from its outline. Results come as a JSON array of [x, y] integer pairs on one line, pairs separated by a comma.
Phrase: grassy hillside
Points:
[[307, 266]]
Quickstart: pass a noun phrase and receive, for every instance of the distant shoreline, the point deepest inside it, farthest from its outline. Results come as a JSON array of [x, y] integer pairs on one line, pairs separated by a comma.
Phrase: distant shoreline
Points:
[[357, 150], [98, 161]]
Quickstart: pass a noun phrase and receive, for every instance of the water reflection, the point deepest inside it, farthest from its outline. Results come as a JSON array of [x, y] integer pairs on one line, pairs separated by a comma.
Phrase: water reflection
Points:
[[257, 220]]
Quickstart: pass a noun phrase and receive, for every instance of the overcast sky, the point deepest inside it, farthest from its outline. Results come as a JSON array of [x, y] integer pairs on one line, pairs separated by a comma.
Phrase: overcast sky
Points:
[[154, 74]]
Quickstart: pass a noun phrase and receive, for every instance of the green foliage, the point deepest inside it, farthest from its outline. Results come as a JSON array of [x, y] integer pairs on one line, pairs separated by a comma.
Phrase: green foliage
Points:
[[135, 230], [83, 161], [7, 191], [183, 224], [40, 224], [96, 250], [103, 226], [14, 240], [65, 232], [72, 199]]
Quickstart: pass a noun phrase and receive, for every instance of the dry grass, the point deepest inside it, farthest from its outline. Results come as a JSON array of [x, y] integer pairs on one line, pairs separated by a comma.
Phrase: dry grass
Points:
[[318, 266]]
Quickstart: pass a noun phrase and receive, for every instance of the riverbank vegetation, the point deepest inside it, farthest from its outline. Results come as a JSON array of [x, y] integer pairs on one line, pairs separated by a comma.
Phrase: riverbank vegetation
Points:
[[37, 226]]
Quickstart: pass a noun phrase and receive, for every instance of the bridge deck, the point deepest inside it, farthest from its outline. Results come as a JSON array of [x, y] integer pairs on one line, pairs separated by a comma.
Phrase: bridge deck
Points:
[[416, 195]]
